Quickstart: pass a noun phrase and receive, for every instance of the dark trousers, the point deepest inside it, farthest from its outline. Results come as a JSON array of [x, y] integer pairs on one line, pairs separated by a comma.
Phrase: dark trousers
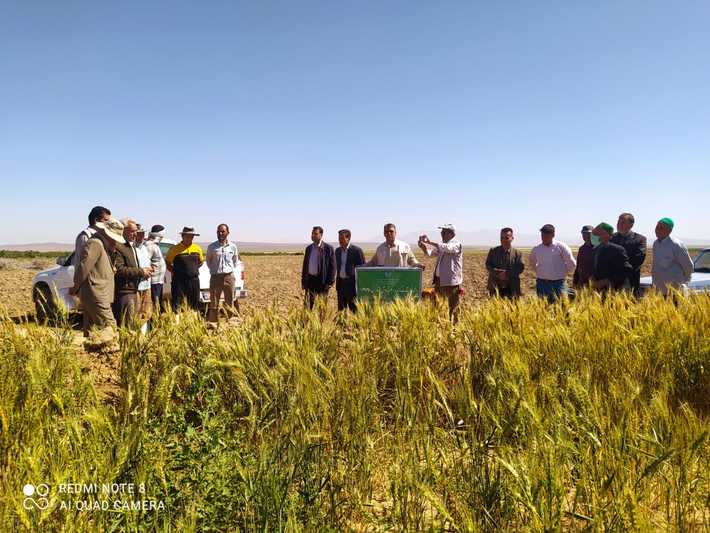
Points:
[[315, 289], [346, 294], [156, 294], [635, 281], [504, 292], [185, 289], [124, 308]]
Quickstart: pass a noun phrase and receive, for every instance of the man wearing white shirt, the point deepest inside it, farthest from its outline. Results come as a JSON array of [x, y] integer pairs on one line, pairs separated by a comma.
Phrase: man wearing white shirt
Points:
[[672, 265], [393, 252], [551, 261], [157, 261], [448, 273], [144, 304], [222, 257]]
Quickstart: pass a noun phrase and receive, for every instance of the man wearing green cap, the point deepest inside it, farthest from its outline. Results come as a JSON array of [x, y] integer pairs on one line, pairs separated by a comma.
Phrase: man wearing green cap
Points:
[[611, 262], [672, 266]]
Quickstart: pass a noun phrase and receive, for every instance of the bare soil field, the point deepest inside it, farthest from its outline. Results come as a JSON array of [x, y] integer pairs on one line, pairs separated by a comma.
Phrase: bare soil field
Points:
[[272, 281]]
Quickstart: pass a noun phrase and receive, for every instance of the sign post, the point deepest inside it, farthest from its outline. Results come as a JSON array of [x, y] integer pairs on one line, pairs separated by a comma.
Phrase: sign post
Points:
[[389, 283]]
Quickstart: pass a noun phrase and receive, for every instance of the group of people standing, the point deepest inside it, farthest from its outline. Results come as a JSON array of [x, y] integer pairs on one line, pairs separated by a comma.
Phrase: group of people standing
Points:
[[324, 266], [608, 260], [119, 272]]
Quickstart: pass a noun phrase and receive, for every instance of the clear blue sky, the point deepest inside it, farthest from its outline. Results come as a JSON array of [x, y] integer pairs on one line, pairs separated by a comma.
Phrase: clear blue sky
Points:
[[275, 116]]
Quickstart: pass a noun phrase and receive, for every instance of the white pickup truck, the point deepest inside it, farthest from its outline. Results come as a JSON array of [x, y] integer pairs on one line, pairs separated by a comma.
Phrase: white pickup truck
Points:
[[50, 288]]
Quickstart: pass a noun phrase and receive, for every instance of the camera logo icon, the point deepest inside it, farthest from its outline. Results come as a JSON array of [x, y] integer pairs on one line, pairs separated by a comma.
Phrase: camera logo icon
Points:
[[35, 496]]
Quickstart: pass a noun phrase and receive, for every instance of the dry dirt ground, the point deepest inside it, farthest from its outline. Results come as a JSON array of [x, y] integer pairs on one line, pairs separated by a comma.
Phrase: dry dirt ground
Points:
[[271, 281]]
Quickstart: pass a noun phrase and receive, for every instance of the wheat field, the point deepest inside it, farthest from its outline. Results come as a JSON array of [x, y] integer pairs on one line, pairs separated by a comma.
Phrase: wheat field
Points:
[[589, 416]]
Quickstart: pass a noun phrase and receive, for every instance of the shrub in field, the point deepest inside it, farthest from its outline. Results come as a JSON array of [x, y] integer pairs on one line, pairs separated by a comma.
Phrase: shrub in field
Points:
[[523, 416]]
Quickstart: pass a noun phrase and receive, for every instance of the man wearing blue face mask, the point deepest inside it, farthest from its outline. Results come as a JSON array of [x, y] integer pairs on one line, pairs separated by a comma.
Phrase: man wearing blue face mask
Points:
[[611, 262], [585, 260]]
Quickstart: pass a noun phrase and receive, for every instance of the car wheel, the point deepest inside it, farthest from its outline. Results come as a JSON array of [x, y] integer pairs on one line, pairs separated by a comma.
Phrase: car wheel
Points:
[[45, 307]]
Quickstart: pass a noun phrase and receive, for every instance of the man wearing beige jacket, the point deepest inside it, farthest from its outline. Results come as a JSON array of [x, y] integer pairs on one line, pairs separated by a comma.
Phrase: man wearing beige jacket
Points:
[[94, 275]]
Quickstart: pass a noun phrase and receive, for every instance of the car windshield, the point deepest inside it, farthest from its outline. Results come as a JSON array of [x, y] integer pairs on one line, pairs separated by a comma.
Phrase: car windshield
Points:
[[702, 262]]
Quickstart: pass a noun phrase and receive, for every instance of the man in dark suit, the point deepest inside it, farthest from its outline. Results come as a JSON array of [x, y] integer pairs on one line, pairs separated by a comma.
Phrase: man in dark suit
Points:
[[128, 274], [347, 258], [635, 246], [318, 273]]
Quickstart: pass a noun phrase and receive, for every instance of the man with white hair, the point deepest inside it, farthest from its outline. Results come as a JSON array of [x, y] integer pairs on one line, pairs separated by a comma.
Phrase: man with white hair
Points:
[[448, 273], [94, 275], [129, 274]]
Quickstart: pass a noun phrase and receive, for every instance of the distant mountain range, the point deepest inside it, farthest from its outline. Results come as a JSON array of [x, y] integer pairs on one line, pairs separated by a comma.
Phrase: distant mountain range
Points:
[[470, 239], [481, 238]]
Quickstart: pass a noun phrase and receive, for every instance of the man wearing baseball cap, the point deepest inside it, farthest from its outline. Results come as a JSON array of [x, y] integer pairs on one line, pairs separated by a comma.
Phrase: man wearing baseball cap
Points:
[[94, 275], [611, 262], [551, 261], [184, 261], [672, 265], [448, 273], [585, 260]]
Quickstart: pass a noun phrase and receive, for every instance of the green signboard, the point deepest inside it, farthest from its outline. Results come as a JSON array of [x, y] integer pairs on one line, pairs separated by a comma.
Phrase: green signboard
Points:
[[388, 282]]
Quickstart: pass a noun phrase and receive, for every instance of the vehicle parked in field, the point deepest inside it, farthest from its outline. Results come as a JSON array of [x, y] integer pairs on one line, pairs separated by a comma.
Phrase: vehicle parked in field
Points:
[[50, 287], [699, 279]]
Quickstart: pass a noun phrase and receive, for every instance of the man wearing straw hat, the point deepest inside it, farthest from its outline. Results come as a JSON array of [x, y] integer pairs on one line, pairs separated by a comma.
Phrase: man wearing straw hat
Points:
[[94, 275], [184, 261], [672, 265]]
